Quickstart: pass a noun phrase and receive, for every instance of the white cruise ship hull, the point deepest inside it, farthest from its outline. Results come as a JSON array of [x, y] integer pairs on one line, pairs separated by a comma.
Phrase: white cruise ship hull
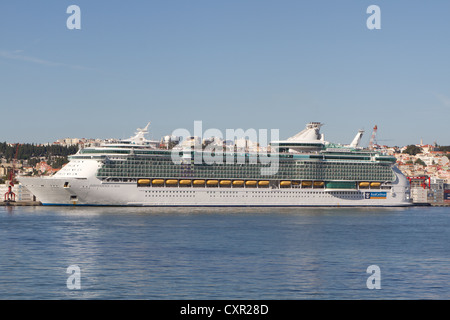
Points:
[[93, 192]]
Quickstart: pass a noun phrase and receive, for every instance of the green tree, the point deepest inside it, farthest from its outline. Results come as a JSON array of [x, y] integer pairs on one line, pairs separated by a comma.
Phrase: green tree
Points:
[[58, 162], [412, 150], [420, 162], [55, 155]]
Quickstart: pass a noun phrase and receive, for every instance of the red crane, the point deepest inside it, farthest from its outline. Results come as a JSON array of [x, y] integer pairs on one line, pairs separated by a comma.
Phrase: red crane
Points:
[[372, 139], [10, 195]]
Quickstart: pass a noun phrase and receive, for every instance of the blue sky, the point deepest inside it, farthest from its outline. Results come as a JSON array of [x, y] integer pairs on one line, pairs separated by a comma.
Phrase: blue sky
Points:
[[261, 64]]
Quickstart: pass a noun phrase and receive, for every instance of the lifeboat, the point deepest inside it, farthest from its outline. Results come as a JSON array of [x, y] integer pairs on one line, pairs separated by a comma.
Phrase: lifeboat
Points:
[[143, 181], [375, 184], [363, 184], [158, 181], [306, 183], [318, 183], [225, 182], [171, 182], [185, 182], [199, 182], [238, 183], [251, 183], [212, 183], [285, 183], [263, 183]]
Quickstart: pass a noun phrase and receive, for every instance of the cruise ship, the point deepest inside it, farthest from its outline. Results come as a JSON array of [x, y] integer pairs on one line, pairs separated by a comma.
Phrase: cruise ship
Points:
[[303, 170]]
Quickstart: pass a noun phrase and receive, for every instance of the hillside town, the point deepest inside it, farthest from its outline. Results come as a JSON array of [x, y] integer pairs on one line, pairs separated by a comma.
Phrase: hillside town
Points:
[[426, 166]]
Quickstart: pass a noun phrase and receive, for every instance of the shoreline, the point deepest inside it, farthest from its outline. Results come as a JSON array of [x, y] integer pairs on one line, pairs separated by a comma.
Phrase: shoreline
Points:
[[38, 203], [20, 203]]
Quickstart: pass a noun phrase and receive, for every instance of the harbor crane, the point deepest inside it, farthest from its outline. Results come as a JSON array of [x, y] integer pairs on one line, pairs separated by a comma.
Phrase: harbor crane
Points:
[[10, 196], [372, 138]]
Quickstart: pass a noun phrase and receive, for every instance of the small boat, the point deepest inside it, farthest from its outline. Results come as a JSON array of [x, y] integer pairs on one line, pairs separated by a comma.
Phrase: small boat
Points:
[[225, 183], [143, 181], [364, 184], [158, 181]]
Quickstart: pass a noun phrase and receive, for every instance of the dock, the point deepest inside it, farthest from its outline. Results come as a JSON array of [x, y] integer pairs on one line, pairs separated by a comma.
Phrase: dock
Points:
[[20, 203]]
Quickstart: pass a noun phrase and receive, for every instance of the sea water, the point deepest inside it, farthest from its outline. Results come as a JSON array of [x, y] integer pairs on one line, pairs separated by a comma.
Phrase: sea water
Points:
[[224, 253]]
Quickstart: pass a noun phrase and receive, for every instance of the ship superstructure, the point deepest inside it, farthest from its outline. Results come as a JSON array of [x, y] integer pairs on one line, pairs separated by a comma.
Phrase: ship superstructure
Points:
[[304, 170]]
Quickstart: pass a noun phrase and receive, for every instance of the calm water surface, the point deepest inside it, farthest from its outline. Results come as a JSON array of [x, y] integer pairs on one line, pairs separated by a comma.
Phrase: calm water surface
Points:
[[156, 253]]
